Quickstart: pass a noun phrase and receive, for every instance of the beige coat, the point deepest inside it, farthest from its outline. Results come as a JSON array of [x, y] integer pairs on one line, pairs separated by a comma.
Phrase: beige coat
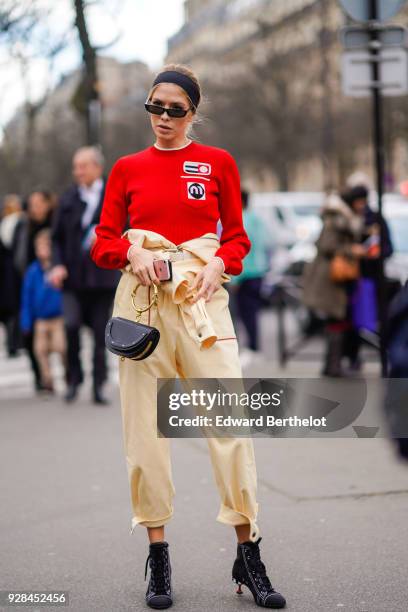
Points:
[[341, 229]]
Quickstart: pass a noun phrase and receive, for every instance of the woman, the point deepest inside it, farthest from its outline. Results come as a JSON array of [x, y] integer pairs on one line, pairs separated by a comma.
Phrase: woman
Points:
[[40, 208], [365, 307], [174, 193], [340, 234], [247, 285]]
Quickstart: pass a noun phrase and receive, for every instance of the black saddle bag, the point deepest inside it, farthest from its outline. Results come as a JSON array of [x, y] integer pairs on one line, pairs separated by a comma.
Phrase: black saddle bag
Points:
[[131, 339]]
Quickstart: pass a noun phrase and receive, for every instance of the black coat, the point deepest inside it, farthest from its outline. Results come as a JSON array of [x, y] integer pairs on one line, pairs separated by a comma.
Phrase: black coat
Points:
[[370, 268], [10, 275], [10, 284], [67, 244]]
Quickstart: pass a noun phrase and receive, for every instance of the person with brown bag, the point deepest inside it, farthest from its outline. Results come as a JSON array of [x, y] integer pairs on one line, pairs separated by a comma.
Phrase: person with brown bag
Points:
[[328, 277]]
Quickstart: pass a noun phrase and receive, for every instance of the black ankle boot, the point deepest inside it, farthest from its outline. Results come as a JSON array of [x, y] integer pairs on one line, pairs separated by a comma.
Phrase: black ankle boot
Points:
[[249, 570], [158, 594]]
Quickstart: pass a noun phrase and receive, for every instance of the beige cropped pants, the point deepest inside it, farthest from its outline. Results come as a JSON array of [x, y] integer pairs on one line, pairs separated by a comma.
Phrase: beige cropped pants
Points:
[[147, 455]]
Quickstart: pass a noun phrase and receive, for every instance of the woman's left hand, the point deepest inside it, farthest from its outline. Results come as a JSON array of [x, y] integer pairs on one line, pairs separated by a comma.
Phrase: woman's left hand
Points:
[[208, 280]]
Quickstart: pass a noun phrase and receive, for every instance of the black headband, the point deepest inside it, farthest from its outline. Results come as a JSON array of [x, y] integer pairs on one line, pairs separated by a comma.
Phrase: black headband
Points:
[[183, 81]]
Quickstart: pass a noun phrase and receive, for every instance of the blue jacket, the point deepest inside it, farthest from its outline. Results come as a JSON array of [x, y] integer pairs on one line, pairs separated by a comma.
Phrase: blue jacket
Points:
[[38, 300]]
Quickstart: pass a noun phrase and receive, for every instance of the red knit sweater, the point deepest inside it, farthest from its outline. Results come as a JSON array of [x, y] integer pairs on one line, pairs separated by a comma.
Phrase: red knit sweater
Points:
[[180, 194]]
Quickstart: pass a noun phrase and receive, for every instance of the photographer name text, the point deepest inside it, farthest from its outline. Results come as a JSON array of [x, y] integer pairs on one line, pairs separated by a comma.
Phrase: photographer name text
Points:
[[259, 421]]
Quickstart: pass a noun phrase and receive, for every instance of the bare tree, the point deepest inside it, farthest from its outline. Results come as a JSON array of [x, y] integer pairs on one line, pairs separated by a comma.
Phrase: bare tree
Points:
[[30, 155], [87, 99], [17, 19], [19, 35], [263, 121]]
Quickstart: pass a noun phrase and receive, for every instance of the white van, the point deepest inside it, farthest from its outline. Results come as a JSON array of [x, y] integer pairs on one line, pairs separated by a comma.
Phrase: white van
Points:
[[291, 217]]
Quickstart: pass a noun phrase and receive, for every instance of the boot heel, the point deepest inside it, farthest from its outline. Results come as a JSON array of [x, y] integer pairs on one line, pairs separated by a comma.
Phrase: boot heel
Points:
[[239, 591], [249, 570]]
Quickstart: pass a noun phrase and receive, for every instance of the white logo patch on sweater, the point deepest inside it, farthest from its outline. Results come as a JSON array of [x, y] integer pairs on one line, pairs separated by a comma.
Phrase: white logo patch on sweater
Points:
[[200, 168], [196, 191]]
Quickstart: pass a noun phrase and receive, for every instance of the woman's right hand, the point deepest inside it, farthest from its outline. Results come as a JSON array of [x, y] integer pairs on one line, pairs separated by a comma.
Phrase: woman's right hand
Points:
[[141, 261]]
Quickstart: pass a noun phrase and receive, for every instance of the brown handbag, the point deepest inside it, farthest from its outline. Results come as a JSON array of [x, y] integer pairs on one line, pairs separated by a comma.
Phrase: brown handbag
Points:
[[343, 269]]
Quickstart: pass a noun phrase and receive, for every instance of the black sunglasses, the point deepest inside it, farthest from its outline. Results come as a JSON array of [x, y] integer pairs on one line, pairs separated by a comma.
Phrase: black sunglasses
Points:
[[155, 109]]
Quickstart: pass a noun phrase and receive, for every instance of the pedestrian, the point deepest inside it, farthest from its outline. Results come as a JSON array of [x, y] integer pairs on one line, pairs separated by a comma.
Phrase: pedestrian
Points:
[[39, 207], [340, 235], [41, 310], [87, 290], [247, 285], [365, 298], [10, 279], [174, 193]]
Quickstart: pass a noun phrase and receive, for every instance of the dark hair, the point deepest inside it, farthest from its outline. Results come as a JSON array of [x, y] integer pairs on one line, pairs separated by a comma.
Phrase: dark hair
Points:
[[46, 194], [359, 192]]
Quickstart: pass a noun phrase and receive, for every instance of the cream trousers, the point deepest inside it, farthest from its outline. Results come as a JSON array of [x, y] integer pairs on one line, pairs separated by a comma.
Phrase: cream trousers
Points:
[[180, 352]]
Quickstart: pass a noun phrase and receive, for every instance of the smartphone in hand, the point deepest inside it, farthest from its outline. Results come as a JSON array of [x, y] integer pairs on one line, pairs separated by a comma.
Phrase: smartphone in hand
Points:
[[163, 269]]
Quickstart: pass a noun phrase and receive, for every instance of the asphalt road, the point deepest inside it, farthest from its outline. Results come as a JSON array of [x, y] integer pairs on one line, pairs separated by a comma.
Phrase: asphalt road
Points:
[[333, 513]]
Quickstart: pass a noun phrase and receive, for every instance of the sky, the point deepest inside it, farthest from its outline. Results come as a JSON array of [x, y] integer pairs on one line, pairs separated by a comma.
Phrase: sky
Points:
[[144, 27]]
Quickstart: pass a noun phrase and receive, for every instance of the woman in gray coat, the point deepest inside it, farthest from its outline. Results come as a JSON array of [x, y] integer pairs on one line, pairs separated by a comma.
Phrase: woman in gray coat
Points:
[[340, 234]]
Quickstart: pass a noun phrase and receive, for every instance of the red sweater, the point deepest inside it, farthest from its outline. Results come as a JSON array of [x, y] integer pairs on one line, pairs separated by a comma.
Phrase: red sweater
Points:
[[180, 194]]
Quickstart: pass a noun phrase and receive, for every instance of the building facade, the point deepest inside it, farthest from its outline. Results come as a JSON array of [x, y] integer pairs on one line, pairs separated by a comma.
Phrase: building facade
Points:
[[226, 40]]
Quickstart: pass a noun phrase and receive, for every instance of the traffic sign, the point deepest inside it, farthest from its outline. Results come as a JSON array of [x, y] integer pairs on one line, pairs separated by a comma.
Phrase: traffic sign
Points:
[[360, 10], [359, 37], [357, 79]]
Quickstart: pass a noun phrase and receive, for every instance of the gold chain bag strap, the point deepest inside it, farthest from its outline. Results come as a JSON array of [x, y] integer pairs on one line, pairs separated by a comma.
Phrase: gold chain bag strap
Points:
[[132, 339]]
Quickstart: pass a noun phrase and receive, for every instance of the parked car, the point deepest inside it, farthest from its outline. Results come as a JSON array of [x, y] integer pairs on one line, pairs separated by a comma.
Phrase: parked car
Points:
[[292, 217]]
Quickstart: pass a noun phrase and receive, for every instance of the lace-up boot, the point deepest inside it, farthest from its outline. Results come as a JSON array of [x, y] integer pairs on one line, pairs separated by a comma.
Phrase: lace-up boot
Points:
[[158, 594], [248, 569]]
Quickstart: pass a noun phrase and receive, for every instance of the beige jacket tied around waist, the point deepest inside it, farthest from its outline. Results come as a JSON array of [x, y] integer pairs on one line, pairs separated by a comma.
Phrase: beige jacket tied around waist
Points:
[[195, 316]]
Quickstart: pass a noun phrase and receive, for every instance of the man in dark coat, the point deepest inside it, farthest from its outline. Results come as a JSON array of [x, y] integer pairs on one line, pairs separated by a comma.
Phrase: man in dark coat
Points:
[[87, 290]]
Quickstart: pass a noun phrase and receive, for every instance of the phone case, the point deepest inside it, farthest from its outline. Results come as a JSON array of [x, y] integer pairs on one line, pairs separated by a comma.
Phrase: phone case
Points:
[[163, 269]]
